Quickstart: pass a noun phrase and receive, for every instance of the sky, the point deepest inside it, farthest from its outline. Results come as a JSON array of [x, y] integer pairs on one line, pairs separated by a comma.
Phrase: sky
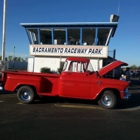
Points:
[[126, 40]]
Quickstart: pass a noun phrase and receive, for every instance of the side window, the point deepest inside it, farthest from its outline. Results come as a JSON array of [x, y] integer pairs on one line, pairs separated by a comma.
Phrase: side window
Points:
[[77, 67], [80, 67], [72, 67]]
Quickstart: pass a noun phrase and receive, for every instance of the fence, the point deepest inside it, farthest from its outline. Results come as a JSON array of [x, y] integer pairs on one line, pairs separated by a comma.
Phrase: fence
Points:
[[14, 65]]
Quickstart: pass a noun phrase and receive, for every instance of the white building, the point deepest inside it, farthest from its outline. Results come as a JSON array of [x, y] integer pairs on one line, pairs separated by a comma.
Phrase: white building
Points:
[[52, 43]]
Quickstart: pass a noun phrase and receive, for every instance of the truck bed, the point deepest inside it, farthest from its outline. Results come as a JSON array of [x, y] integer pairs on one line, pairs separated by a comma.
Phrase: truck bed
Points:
[[12, 79]]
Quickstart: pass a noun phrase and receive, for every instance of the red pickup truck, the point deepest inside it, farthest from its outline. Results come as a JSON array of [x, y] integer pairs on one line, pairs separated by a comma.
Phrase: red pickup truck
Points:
[[77, 80]]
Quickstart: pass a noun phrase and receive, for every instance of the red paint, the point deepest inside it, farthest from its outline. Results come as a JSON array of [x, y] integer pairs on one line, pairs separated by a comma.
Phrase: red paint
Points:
[[84, 85]]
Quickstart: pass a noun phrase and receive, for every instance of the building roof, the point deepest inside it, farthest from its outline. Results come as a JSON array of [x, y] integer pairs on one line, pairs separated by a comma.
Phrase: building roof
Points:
[[71, 24]]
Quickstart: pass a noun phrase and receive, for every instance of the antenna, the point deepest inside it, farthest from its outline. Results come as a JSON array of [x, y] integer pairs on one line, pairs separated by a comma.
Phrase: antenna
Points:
[[118, 8], [115, 17]]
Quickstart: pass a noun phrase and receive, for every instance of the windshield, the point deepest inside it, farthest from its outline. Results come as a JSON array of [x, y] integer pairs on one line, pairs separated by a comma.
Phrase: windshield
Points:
[[65, 65]]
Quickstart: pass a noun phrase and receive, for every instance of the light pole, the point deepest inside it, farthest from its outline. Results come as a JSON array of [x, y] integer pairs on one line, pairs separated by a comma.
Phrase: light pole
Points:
[[4, 35], [14, 57]]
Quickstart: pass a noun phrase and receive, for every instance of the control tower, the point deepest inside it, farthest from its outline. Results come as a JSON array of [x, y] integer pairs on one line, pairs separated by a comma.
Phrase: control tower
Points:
[[51, 43]]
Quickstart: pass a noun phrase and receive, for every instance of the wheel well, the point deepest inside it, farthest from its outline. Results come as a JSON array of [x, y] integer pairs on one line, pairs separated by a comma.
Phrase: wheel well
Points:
[[117, 93], [34, 89]]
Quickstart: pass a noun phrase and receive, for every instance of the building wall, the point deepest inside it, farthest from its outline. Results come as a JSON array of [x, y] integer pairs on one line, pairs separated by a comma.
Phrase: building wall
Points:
[[36, 63], [96, 63]]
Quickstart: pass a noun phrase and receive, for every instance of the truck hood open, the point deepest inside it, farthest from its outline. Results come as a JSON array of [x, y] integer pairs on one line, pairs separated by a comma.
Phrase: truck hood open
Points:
[[110, 67]]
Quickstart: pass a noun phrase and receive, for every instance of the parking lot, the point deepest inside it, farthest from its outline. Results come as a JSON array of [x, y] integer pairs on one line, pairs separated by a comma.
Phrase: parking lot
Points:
[[57, 119]]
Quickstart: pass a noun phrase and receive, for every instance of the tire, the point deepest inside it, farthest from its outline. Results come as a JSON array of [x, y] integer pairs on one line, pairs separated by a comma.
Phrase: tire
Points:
[[108, 100], [26, 94]]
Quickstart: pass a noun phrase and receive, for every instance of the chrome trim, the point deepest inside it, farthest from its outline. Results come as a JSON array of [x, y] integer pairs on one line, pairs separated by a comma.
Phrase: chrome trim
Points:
[[1, 88], [127, 95]]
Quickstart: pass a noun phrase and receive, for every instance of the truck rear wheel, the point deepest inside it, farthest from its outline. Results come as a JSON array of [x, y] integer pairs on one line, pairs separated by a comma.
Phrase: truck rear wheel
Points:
[[26, 94], [108, 100]]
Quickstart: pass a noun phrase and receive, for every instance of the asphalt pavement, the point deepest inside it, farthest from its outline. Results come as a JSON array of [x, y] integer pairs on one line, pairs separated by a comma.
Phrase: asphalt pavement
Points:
[[56, 119]]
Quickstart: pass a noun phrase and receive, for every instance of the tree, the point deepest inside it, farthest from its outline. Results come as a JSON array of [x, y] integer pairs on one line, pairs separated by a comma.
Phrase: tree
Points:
[[133, 67], [10, 58], [19, 59], [15, 59], [138, 68]]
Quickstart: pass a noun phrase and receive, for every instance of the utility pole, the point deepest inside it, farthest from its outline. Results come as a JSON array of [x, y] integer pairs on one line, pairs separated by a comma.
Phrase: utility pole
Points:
[[4, 35], [14, 58]]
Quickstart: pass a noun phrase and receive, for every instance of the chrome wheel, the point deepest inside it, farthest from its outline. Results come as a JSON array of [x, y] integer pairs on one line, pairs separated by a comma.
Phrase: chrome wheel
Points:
[[108, 99], [26, 94]]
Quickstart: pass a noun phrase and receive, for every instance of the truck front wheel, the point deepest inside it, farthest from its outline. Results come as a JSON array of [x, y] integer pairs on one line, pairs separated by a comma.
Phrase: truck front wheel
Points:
[[25, 94], [108, 100]]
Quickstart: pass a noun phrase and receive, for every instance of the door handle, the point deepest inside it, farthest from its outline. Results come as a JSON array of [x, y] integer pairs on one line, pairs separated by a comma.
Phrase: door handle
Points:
[[68, 73], [99, 82]]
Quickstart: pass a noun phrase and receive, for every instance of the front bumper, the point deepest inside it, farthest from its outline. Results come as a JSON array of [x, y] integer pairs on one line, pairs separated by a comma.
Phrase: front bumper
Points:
[[1, 87], [126, 95]]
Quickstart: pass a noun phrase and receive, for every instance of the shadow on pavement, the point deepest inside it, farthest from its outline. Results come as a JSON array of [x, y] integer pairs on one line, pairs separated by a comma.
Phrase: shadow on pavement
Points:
[[5, 92], [133, 102]]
